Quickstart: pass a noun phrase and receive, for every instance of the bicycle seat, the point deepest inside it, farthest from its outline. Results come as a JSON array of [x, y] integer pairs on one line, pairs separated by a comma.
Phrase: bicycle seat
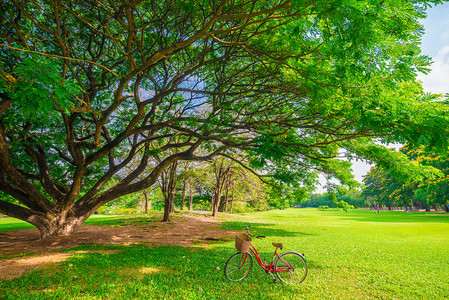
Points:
[[278, 245]]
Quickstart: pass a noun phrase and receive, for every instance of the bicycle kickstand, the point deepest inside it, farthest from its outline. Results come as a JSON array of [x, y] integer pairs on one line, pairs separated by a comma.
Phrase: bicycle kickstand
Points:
[[274, 278]]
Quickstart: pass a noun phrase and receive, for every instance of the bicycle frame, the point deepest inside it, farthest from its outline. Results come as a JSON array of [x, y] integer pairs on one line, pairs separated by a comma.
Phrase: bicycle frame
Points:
[[237, 267], [266, 267]]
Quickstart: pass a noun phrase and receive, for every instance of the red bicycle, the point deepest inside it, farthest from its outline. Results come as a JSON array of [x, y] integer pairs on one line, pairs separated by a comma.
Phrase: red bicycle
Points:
[[290, 267]]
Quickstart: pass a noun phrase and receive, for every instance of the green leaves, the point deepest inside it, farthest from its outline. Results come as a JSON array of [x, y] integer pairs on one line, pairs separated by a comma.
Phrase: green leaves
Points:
[[39, 88], [411, 175], [400, 166]]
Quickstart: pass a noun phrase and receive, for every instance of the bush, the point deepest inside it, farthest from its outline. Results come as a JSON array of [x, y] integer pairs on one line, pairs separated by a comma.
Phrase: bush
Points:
[[344, 205]]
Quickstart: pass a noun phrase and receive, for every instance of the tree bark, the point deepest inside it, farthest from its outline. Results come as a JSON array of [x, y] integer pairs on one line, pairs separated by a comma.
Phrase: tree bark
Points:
[[226, 197], [216, 201], [146, 200], [168, 186], [184, 183], [190, 196], [58, 225]]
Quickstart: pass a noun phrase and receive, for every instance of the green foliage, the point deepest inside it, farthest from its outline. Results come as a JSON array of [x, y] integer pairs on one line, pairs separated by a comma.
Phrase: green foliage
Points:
[[38, 89], [353, 197], [345, 199], [383, 186], [344, 205], [323, 207], [317, 200]]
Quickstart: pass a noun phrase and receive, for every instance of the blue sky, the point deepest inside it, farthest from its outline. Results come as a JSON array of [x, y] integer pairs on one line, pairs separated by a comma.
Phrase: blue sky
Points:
[[435, 43]]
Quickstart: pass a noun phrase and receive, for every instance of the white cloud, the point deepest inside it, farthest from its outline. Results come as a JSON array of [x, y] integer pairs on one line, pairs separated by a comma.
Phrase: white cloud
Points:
[[437, 81]]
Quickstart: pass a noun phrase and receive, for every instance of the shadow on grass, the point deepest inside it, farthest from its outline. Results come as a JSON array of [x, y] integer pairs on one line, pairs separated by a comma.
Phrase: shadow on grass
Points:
[[170, 272]]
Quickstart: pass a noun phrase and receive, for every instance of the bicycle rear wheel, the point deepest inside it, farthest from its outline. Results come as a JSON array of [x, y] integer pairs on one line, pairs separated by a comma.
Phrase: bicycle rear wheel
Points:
[[238, 266], [292, 267]]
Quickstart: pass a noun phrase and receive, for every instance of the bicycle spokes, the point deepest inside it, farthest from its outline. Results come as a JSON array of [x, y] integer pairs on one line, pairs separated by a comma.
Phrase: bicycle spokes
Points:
[[291, 267], [238, 266]]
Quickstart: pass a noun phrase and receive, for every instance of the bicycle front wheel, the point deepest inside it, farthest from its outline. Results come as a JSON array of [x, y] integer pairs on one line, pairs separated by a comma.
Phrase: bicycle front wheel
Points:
[[291, 267], [238, 266]]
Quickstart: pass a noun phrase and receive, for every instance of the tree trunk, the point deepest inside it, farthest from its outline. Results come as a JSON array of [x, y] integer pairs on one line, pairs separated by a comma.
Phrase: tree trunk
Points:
[[427, 208], [57, 224], [216, 201], [226, 197], [168, 187], [58, 227], [232, 203], [146, 200], [221, 175], [184, 183], [190, 196], [168, 208]]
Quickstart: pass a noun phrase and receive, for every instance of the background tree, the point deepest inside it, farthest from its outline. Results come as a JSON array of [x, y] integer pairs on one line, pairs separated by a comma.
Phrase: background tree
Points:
[[185, 182], [89, 86], [389, 190], [343, 199], [167, 183], [196, 176], [222, 171]]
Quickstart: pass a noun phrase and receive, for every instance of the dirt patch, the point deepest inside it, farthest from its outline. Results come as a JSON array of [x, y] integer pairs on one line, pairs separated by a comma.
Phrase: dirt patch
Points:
[[186, 232]]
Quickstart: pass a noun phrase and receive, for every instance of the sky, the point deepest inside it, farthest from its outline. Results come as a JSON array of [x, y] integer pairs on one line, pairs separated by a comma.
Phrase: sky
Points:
[[435, 43]]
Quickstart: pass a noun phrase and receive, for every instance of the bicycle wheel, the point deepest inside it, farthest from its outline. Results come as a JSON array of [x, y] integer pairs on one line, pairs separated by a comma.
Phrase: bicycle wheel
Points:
[[238, 266], [292, 267]]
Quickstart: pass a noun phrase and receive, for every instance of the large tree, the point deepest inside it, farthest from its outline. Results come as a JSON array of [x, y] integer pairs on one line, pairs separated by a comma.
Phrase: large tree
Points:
[[89, 86]]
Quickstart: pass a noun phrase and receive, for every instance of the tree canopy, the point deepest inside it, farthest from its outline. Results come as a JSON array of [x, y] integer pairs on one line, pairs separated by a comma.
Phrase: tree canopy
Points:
[[281, 87], [383, 188]]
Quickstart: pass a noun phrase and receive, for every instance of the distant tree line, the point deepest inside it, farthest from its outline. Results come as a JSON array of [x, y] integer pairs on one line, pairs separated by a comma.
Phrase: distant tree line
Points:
[[351, 197]]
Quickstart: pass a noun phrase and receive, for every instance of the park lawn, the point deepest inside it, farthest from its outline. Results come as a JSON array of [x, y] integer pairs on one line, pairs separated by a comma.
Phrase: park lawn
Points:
[[7, 224], [354, 255]]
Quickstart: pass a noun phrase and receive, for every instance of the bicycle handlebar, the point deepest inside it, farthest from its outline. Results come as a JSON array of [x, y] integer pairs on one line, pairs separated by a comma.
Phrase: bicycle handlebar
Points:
[[255, 236]]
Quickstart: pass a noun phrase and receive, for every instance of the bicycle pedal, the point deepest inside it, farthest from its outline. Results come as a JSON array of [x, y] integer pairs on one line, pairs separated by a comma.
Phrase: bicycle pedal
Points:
[[275, 281]]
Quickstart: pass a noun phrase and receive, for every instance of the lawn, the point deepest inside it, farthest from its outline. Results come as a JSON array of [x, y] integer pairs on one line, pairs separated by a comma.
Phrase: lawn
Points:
[[354, 255]]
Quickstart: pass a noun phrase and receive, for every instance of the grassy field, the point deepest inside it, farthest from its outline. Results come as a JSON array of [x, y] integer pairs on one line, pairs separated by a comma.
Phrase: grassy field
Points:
[[354, 255]]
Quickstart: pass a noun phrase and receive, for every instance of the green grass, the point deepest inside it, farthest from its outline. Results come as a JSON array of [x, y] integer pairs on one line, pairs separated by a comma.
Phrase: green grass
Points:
[[354, 255], [7, 224]]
